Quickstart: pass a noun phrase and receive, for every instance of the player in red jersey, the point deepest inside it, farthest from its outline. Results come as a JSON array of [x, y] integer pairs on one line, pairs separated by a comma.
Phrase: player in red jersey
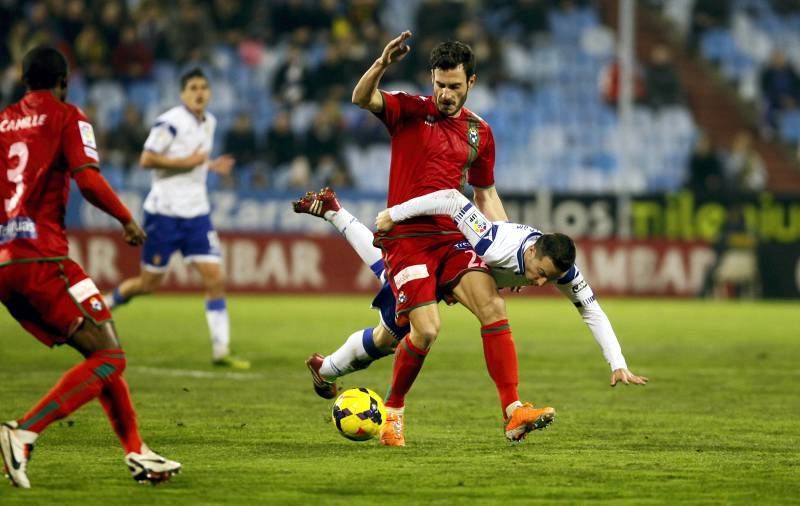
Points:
[[439, 144], [43, 143]]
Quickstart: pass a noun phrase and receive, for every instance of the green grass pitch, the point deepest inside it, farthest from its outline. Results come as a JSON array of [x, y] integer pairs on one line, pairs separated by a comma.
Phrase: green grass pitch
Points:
[[718, 423]]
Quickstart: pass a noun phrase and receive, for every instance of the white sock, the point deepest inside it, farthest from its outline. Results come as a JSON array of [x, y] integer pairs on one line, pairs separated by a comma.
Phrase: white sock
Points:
[[357, 234], [511, 407], [218, 327], [351, 356]]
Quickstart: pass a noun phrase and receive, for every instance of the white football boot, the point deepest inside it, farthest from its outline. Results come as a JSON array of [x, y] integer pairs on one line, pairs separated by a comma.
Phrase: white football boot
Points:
[[15, 455], [150, 467]]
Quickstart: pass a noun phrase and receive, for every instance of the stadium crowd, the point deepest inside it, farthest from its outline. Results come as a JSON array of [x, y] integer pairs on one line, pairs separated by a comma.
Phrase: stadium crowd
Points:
[[281, 73]]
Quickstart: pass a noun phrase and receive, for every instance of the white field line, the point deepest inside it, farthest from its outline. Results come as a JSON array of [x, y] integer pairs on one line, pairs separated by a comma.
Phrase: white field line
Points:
[[189, 373]]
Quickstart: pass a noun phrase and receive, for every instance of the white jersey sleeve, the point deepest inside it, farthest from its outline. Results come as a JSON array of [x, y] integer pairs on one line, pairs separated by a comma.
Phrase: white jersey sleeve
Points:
[[577, 290]]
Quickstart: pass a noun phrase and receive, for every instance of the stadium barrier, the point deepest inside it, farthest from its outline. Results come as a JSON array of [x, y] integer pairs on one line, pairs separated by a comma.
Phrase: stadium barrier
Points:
[[654, 245]]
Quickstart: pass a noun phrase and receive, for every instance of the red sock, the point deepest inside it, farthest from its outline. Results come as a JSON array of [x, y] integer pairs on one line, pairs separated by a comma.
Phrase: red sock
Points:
[[116, 401], [408, 360], [76, 387], [501, 360]]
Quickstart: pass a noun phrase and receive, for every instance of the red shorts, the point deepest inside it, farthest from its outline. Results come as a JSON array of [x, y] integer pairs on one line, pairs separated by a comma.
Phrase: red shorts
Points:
[[51, 298], [423, 269]]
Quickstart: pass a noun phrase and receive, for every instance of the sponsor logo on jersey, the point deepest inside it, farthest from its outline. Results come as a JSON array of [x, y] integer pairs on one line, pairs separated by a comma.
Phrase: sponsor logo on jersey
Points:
[[462, 245], [473, 136], [21, 227], [9, 125], [410, 273], [479, 225], [580, 286], [87, 134], [91, 153]]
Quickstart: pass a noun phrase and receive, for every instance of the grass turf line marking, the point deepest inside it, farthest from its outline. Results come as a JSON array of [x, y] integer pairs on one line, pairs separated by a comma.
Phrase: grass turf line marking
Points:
[[189, 373]]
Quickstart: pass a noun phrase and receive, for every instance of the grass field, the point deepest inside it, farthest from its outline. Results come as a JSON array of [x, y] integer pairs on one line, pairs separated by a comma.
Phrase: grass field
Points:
[[719, 422]]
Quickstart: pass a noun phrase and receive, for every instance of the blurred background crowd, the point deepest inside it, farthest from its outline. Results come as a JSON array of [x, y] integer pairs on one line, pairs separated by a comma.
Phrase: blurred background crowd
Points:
[[716, 86]]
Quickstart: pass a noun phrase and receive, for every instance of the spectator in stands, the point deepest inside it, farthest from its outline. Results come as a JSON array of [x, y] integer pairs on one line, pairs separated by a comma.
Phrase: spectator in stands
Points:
[[324, 144], [780, 88], [92, 54], [282, 145], [72, 20], [706, 15], [705, 168], [288, 84], [112, 18], [132, 58], [744, 167], [663, 85], [328, 76], [610, 83], [126, 140], [240, 142], [191, 34]]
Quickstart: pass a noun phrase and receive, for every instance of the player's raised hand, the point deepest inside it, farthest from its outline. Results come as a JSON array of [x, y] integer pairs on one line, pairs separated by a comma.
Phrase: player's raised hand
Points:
[[384, 222], [222, 165], [623, 375], [133, 233], [396, 49]]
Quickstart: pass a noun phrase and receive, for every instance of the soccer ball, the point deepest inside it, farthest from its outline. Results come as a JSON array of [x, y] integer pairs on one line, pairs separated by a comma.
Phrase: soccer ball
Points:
[[359, 414]]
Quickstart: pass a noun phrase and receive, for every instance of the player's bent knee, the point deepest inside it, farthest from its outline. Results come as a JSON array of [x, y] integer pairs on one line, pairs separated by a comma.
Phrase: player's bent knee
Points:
[[492, 310], [383, 339], [91, 337]]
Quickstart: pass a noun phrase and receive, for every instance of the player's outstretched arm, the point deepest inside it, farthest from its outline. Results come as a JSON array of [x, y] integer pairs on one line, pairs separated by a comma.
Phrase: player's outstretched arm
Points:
[[623, 375], [98, 192], [366, 94]]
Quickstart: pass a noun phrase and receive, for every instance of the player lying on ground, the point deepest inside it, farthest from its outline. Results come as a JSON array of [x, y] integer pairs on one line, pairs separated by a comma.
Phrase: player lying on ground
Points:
[[45, 142], [498, 250]]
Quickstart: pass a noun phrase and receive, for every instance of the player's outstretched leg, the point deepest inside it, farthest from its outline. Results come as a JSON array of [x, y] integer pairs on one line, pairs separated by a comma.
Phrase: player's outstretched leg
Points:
[[318, 204], [359, 350]]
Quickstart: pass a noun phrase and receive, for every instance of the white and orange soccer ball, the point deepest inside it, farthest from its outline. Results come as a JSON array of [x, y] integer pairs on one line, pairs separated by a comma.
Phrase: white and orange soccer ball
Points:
[[359, 414]]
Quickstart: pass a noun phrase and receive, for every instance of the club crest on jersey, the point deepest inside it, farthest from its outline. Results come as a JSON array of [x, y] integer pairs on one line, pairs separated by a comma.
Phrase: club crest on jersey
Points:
[[473, 136], [401, 298], [96, 304]]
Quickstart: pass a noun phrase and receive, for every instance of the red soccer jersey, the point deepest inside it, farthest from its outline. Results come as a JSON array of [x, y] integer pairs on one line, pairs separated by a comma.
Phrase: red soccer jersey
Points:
[[433, 152], [42, 141]]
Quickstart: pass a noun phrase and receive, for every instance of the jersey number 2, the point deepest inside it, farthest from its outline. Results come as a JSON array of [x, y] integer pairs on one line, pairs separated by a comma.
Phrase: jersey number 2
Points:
[[19, 150]]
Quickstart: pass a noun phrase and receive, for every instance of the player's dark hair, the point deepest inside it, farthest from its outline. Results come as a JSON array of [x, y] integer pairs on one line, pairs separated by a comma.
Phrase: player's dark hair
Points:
[[44, 68], [559, 247], [452, 53], [191, 74]]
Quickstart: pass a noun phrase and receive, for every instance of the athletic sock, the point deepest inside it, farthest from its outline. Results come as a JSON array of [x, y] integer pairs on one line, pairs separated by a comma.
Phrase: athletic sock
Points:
[[116, 299], [116, 401], [218, 327], [359, 237], [408, 360], [76, 387], [357, 352], [501, 360]]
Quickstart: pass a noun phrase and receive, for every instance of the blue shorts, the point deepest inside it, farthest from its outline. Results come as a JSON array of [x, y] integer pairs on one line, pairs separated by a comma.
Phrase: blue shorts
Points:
[[195, 238], [386, 305]]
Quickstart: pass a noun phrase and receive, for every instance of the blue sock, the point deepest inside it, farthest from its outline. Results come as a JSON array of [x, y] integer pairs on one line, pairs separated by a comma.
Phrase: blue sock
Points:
[[369, 345], [117, 297]]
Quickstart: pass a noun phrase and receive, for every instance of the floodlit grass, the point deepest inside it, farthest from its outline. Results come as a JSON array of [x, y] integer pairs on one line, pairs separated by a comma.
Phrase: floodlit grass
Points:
[[719, 422]]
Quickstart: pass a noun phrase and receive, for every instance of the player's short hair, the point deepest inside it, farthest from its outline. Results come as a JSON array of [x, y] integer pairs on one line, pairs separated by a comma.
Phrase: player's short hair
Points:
[[452, 53], [44, 68], [559, 247], [191, 74]]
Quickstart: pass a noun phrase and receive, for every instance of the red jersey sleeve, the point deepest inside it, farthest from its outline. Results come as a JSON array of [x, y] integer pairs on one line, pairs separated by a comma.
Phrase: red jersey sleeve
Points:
[[398, 106], [481, 173], [78, 141]]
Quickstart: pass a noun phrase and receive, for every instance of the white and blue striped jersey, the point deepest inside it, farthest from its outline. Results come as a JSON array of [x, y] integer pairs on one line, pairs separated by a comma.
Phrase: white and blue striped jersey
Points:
[[502, 246], [178, 133]]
